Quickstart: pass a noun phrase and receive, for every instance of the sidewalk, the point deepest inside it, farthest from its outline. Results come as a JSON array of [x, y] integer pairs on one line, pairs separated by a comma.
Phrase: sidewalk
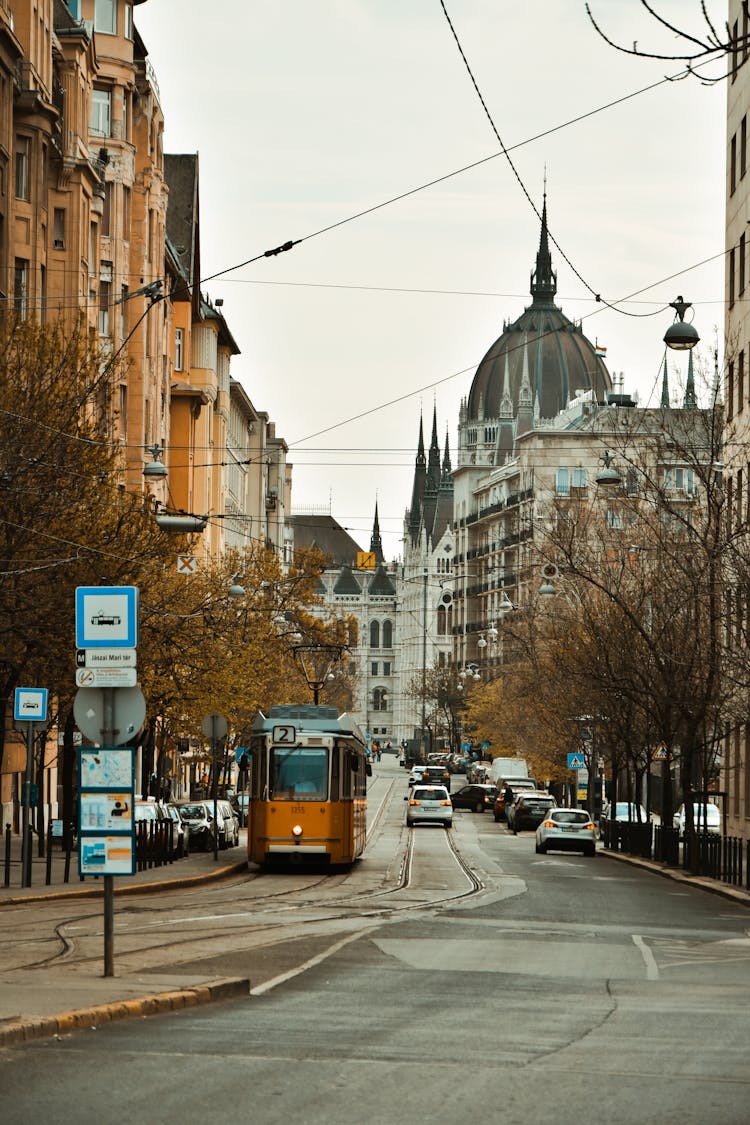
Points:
[[55, 1001], [713, 886], [194, 868]]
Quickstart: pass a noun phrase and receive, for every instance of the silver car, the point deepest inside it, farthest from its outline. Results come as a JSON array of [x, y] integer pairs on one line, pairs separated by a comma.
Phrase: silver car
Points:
[[570, 830], [429, 804], [706, 818]]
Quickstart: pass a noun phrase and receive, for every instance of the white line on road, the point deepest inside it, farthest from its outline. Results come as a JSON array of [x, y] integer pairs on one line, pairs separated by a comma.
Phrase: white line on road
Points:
[[320, 957], [652, 971]]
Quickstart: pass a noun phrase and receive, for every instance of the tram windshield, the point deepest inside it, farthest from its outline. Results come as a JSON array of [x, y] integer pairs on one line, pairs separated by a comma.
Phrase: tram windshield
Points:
[[300, 773]]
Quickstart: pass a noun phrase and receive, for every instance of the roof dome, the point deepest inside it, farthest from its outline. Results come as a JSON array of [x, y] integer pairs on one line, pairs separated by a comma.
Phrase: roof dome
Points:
[[561, 360]]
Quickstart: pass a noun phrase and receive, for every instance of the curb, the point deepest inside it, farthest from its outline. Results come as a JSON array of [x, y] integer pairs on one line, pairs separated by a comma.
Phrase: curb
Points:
[[132, 888], [79, 1019], [713, 886]]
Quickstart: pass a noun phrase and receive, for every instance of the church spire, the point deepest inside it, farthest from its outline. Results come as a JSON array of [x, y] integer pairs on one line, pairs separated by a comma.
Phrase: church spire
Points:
[[447, 469], [417, 493], [665, 388], [543, 279], [376, 543], [433, 464], [690, 402], [525, 416]]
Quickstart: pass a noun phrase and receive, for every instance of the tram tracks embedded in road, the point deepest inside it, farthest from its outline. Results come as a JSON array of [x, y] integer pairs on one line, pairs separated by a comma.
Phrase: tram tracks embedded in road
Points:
[[256, 909]]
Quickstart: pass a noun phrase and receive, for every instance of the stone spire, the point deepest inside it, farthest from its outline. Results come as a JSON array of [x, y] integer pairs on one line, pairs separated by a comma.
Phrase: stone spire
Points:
[[376, 543], [446, 470], [525, 418], [690, 402], [665, 388], [506, 402], [417, 493], [543, 279], [433, 464]]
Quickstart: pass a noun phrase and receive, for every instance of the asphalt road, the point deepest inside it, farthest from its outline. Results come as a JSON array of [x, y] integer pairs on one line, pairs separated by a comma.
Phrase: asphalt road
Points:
[[451, 977]]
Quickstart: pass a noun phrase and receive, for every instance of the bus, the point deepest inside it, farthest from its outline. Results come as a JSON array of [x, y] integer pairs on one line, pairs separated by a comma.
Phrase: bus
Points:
[[308, 787]]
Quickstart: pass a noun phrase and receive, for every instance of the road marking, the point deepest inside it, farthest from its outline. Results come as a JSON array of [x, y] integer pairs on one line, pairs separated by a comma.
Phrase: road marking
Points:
[[317, 960], [652, 971]]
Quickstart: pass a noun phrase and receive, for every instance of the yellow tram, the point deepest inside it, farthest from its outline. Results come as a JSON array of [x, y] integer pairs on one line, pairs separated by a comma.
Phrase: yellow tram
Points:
[[308, 786]]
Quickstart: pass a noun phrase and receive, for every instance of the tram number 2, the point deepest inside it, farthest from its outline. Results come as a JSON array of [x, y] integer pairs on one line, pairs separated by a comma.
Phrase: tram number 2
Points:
[[284, 734]]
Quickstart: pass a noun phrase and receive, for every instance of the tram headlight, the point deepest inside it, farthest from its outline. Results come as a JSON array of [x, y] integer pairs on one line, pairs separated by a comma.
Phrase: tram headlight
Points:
[[297, 831]]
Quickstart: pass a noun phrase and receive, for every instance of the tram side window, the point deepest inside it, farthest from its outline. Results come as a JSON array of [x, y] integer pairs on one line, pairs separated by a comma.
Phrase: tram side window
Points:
[[347, 781], [257, 773], [300, 773], [335, 776]]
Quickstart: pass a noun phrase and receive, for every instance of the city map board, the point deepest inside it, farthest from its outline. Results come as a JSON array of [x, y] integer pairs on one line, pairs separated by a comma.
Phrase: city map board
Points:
[[106, 826]]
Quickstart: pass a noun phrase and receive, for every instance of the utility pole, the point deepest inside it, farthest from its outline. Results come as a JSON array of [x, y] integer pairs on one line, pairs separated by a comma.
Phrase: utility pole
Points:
[[424, 665]]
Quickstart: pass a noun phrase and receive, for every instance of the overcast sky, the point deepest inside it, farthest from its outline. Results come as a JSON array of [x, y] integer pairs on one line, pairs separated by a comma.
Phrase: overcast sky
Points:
[[306, 112]]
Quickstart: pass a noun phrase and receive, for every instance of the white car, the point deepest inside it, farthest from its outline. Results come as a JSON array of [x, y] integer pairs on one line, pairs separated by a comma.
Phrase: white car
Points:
[[429, 804], [416, 774], [570, 830], [623, 811], [706, 818]]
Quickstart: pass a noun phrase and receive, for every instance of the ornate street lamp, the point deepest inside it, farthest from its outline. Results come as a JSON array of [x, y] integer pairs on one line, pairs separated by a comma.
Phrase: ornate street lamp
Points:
[[681, 336]]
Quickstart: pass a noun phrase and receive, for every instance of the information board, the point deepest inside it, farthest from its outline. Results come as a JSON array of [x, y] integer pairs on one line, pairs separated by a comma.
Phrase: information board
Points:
[[106, 826]]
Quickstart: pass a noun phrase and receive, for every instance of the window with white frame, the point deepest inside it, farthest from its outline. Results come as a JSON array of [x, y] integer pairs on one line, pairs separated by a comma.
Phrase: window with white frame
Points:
[[179, 349], [580, 478], [101, 111], [105, 16], [562, 482], [105, 292]]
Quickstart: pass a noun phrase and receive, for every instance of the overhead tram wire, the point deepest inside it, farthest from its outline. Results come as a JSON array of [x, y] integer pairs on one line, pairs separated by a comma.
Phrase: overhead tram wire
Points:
[[77, 302], [597, 296], [391, 402]]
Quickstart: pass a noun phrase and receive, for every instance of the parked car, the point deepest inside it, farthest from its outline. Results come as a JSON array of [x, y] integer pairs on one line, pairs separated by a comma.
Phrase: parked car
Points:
[[199, 817], [622, 811], [476, 798], [243, 807], [706, 818], [437, 775], [529, 810], [229, 825], [150, 811], [517, 784], [566, 830], [429, 804], [181, 836]]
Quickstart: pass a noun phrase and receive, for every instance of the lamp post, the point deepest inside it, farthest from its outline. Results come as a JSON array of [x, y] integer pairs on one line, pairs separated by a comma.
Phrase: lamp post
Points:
[[317, 662], [681, 336]]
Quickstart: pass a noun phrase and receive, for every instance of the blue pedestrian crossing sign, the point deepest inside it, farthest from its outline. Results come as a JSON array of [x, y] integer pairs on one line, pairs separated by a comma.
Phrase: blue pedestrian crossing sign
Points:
[[576, 762]]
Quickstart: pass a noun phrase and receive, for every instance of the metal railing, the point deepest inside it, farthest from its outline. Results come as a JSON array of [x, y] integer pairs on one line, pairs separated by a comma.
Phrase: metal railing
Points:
[[724, 858]]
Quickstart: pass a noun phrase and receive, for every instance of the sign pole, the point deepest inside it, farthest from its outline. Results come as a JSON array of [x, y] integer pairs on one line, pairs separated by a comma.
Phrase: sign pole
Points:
[[108, 735], [26, 825]]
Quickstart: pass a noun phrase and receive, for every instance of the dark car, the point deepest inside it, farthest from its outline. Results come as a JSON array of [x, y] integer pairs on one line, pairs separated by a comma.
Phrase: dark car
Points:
[[476, 798], [529, 810], [436, 775]]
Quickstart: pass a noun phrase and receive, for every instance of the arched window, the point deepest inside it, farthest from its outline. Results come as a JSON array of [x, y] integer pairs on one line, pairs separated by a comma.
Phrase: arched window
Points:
[[387, 634], [374, 634], [380, 699], [441, 620]]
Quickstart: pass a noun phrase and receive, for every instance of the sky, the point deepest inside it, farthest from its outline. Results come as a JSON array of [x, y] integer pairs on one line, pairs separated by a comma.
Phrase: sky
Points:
[[306, 113]]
